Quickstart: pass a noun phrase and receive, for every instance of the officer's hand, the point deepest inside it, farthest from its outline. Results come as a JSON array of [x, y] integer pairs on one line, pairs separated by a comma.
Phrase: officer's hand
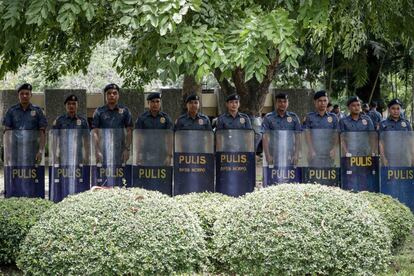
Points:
[[167, 161], [384, 161], [125, 155], [332, 153], [39, 156], [295, 159], [270, 162], [98, 156]]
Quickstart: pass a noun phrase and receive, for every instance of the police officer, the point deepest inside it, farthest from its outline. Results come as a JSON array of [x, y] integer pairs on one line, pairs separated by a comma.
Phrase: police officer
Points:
[[113, 116], [355, 122], [321, 149], [375, 116], [396, 147], [281, 120], [233, 119], [193, 119], [26, 116], [365, 108], [154, 118], [72, 120]]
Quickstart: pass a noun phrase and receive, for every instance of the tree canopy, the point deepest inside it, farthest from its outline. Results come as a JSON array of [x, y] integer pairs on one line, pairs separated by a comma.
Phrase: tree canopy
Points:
[[244, 43]]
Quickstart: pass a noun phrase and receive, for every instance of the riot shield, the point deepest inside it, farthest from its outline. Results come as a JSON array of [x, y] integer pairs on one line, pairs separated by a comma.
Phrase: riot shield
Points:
[[109, 157], [360, 161], [257, 127], [193, 161], [281, 150], [69, 169], [320, 157], [397, 161], [152, 159], [235, 161], [23, 175]]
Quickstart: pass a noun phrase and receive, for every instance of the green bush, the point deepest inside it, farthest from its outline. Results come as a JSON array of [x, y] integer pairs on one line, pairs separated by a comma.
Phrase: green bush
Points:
[[398, 217], [17, 216], [208, 206], [114, 231], [301, 229]]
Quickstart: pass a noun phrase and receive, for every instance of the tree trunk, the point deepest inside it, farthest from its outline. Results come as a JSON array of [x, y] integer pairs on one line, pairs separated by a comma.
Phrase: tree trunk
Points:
[[252, 93], [190, 86]]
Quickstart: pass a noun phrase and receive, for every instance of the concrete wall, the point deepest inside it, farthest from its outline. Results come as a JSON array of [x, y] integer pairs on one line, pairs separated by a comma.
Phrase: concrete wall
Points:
[[172, 102], [134, 100], [54, 103]]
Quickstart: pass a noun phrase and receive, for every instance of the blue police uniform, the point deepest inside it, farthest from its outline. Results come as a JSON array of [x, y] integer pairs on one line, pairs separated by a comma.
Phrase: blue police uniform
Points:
[[32, 118], [273, 121], [376, 117], [363, 123], [390, 125], [147, 121], [71, 141], [67, 122], [315, 121], [112, 123], [357, 133], [186, 122], [240, 121], [25, 145], [396, 137], [319, 127], [282, 140], [119, 117]]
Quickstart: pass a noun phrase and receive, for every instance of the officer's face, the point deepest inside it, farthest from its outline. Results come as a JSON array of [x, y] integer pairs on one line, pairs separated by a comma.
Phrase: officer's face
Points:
[[282, 105], [395, 111], [25, 96], [193, 106], [71, 106], [154, 105], [233, 105], [112, 96], [355, 108], [321, 104]]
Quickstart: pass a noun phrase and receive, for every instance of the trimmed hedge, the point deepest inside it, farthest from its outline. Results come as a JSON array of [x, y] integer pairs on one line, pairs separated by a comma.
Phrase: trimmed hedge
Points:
[[115, 231], [17, 216], [301, 229], [398, 217], [208, 207]]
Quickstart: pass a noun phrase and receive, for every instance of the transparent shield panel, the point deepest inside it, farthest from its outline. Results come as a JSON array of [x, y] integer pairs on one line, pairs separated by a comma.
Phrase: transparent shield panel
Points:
[[396, 148], [235, 140], [21, 147], [194, 141], [281, 148], [69, 147], [108, 146], [359, 143], [152, 147], [319, 148]]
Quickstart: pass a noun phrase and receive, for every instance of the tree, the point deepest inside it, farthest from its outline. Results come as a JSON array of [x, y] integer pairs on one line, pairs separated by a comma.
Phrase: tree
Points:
[[243, 43]]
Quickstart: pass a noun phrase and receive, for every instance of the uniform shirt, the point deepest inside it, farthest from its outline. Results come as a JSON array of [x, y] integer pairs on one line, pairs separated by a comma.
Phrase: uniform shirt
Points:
[[391, 125], [396, 146], [119, 117], [240, 121], [315, 121], [67, 122], [356, 134], [186, 122], [273, 121], [364, 123], [147, 121], [30, 119], [375, 117]]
